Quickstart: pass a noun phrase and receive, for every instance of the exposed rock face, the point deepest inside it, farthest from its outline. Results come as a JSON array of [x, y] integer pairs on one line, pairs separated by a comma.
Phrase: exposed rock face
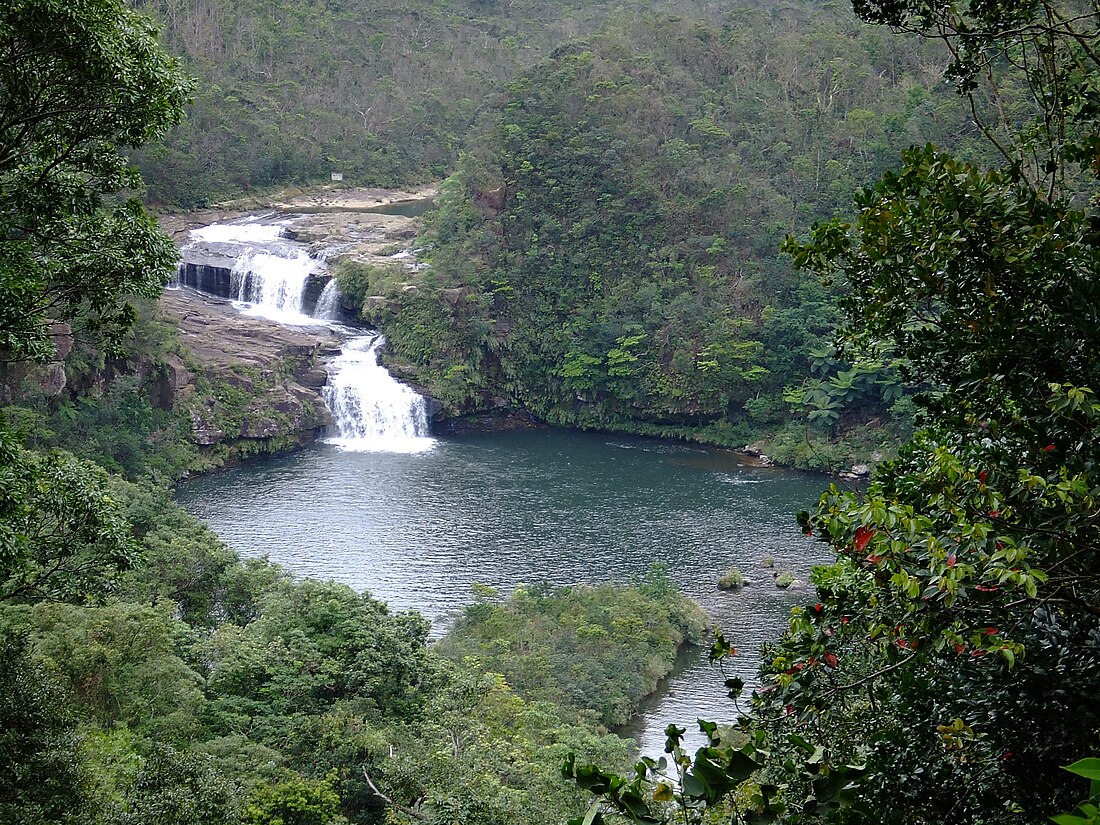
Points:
[[248, 385], [207, 277], [491, 201], [62, 336], [53, 379]]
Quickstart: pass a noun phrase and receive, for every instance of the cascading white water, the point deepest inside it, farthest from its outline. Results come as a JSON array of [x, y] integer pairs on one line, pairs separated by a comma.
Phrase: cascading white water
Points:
[[250, 230], [272, 281], [373, 412], [328, 303], [269, 273]]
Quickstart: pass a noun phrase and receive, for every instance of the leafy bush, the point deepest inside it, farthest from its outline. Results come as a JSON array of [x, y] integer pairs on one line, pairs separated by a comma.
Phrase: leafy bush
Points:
[[732, 579], [595, 650]]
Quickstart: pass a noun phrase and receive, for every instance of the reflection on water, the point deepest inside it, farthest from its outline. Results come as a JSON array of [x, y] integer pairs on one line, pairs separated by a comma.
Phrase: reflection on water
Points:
[[533, 506]]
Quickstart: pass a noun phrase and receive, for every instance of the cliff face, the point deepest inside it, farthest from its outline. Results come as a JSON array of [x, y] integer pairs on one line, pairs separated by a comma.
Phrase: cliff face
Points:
[[248, 386]]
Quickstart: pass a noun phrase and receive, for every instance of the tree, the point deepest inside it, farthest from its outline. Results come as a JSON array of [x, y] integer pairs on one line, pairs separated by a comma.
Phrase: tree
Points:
[[78, 83], [62, 536], [44, 778]]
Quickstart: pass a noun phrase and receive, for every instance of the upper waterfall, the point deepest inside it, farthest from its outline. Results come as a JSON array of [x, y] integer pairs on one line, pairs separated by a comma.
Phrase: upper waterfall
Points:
[[373, 412], [269, 272]]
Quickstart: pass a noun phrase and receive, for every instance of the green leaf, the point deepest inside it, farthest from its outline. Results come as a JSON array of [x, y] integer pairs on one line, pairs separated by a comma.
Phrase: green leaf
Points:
[[694, 787], [1069, 819], [1088, 768]]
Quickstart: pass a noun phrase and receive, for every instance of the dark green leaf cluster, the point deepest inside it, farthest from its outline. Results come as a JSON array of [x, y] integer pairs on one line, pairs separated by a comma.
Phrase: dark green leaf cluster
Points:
[[78, 83]]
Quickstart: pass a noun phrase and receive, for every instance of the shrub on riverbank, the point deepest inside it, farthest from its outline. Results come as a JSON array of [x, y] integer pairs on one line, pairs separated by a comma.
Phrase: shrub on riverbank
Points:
[[595, 650]]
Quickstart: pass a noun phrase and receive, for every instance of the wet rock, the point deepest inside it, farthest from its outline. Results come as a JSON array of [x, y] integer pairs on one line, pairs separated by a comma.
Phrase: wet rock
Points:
[[276, 368], [204, 431], [314, 378], [175, 373], [405, 233], [174, 385]]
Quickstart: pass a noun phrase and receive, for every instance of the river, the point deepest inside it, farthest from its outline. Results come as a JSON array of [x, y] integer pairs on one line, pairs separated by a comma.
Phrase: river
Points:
[[418, 520], [419, 528]]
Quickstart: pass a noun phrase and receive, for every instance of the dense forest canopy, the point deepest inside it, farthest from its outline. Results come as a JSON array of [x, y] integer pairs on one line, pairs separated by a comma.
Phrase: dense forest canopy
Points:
[[387, 92], [605, 254]]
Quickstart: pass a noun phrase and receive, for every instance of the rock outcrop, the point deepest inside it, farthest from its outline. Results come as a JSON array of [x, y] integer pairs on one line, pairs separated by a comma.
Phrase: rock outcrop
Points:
[[247, 385]]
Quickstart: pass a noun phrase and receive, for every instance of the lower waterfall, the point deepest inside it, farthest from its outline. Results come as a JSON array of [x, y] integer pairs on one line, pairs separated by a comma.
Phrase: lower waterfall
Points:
[[371, 411]]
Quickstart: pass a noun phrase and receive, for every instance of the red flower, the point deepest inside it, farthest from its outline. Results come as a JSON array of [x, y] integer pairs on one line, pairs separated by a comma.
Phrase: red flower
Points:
[[817, 607], [994, 513], [951, 560], [844, 620], [960, 648], [863, 536], [1049, 448], [989, 631], [830, 659], [982, 476]]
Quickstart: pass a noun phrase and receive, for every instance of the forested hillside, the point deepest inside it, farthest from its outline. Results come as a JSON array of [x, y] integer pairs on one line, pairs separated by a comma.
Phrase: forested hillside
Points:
[[606, 253], [383, 92]]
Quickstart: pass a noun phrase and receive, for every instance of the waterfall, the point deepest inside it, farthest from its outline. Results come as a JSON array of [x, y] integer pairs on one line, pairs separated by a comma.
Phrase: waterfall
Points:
[[272, 281], [248, 231], [269, 272], [373, 412], [328, 303]]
